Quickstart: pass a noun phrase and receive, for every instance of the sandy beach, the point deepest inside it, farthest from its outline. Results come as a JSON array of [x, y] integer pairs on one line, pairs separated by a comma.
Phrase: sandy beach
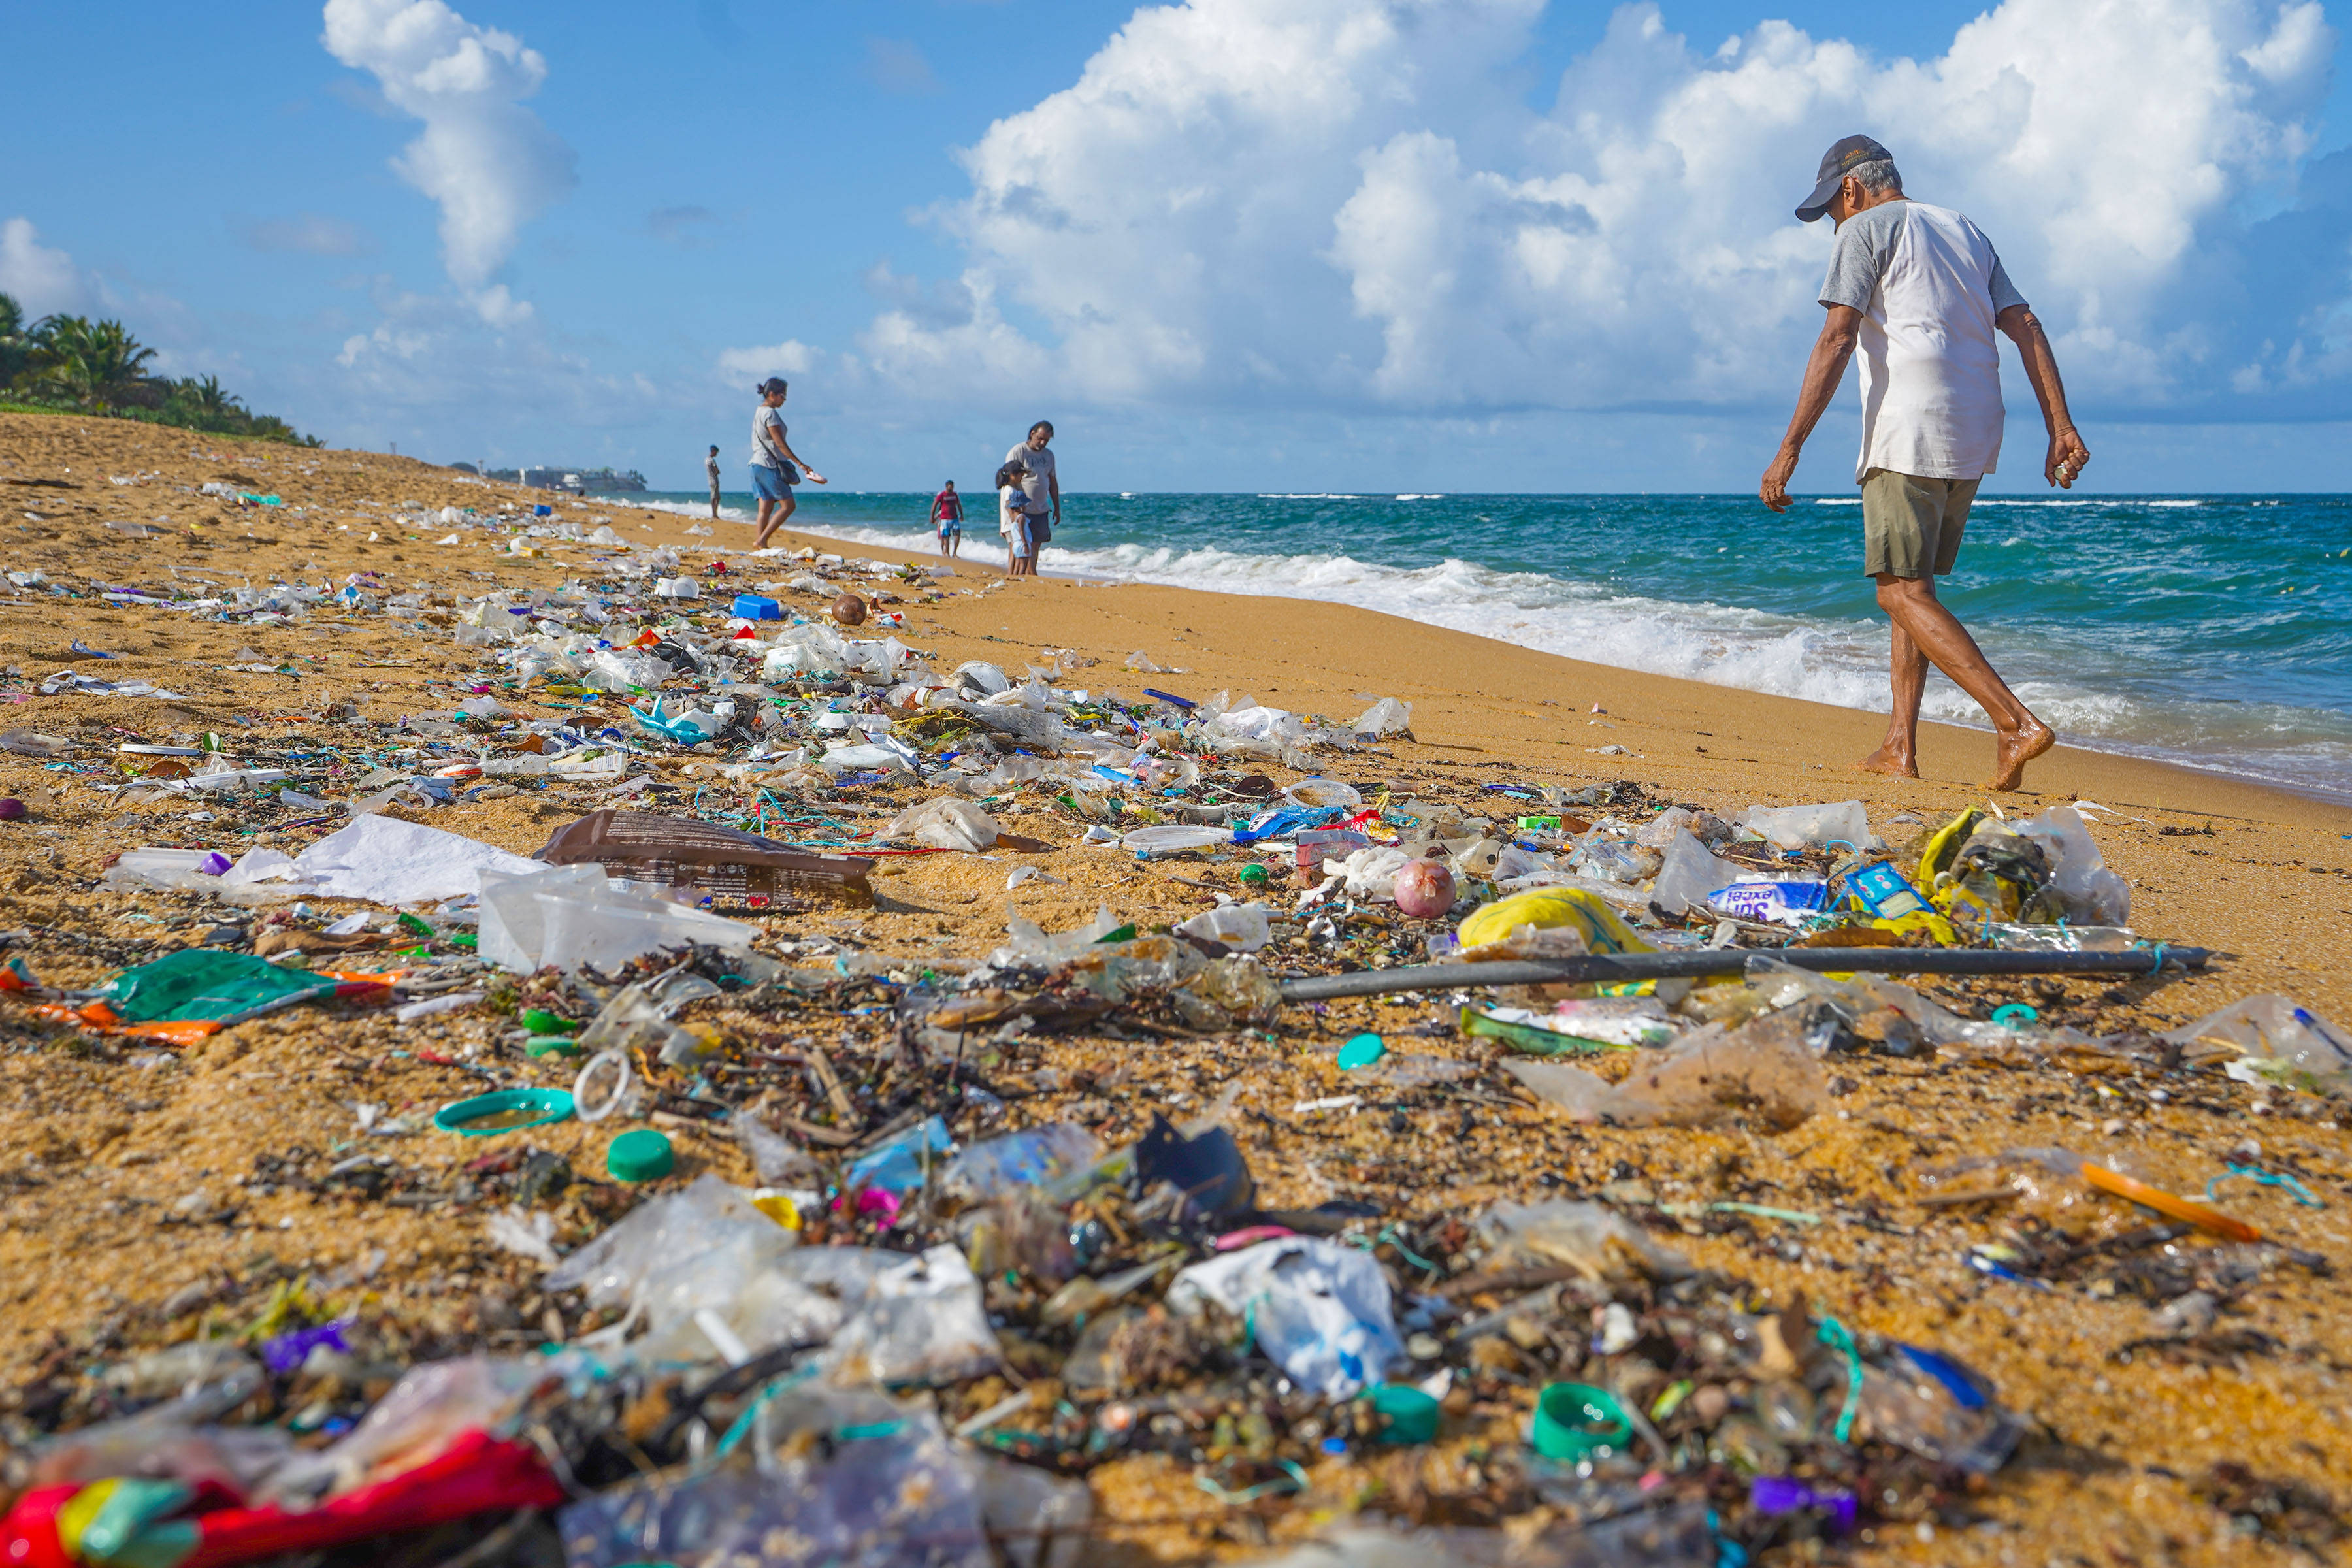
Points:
[[104, 1145]]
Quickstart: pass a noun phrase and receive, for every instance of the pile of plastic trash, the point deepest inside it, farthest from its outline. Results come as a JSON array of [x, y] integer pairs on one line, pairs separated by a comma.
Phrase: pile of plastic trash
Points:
[[945, 1295]]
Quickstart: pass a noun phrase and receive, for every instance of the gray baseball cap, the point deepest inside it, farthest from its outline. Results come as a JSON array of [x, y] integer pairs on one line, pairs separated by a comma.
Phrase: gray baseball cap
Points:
[[1844, 156]]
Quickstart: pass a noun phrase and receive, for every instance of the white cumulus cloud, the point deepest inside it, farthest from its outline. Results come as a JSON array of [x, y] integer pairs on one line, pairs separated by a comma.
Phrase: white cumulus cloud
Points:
[[489, 162], [1347, 204], [42, 278], [789, 357]]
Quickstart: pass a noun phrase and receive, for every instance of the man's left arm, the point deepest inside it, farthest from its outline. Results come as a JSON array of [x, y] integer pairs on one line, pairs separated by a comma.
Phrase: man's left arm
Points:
[[2067, 454], [1054, 484]]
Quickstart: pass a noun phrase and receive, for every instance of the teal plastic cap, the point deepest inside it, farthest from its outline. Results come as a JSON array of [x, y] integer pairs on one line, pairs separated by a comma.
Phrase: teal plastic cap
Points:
[[640, 1155]]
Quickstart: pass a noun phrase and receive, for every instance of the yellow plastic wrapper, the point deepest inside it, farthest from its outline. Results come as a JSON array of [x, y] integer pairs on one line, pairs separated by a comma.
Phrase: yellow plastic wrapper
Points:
[[1549, 909]]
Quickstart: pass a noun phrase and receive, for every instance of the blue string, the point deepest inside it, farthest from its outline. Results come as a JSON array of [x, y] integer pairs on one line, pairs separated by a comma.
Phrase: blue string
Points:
[[2260, 1177]]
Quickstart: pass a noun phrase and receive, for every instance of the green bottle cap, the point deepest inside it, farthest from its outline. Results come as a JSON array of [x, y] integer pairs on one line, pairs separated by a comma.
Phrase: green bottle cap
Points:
[[641, 1154], [1252, 875], [1411, 1414], [1362, 1051]]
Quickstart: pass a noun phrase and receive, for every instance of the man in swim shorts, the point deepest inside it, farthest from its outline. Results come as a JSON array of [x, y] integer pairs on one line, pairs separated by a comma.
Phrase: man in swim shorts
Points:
[[1920, 291]]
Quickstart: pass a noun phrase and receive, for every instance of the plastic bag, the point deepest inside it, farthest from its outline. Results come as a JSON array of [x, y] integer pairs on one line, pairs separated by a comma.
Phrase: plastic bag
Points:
[[1025, 1159], [1592, 1238], [383, 860], [1386, 716], [1759, 1073], [572, 916], [1811, 826], [1032, 945], [1319, 1310], [1173, 838], [1571, 909], [2090, 893], [837, 1477], [1242, 928], [2283, 1042], [1690, 873], [945, 823]]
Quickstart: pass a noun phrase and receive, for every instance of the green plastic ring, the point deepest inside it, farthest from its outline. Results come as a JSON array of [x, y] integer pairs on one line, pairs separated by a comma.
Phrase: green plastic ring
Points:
[[508, 1110], [1575, 1420]]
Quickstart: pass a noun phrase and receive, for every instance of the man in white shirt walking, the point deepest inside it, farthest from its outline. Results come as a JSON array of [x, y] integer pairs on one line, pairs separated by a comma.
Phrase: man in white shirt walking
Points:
[[1920, 292]]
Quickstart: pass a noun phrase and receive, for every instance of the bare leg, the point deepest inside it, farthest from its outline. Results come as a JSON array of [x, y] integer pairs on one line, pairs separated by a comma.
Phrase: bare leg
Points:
[[1936, 634], [1898, 755], [770, 522]]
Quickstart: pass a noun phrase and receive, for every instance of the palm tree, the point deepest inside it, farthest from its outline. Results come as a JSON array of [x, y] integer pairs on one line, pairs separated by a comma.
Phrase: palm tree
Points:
[[95, 364], [15, 350]]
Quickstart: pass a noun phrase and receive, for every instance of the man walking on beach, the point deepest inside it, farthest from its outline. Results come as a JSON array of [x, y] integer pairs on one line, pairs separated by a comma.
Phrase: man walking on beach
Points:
[[947, 517], [711, 467], [1920, 291], [1033, 460], [773, 473]]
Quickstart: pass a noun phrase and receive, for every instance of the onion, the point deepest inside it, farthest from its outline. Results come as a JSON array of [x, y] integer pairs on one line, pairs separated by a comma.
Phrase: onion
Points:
[[1424, 889], [849, 610]]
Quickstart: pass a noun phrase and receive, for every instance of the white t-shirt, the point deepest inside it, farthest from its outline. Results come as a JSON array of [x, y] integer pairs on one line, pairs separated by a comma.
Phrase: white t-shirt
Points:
[[1928, 285], [763, 454], [1010, 515], [711, 467], [1037, 468]]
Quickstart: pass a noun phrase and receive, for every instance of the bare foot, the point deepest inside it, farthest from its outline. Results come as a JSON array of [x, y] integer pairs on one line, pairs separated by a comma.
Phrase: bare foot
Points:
[[2010, 752], [1888, 760]]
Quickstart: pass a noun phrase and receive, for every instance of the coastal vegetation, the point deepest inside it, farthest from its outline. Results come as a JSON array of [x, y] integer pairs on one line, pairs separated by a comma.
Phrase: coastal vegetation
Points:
[[75, 364]]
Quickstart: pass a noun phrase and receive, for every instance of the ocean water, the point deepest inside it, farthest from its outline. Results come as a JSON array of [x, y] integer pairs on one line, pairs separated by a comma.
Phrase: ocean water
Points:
[[2210, 630]]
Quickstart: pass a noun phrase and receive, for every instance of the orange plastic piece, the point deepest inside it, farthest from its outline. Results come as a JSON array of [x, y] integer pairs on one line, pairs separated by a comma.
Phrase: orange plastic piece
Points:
[[2166, 1203]]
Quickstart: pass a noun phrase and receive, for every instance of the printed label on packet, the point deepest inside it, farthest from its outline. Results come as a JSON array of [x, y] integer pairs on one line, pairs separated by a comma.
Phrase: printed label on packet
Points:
[[1770, 903]]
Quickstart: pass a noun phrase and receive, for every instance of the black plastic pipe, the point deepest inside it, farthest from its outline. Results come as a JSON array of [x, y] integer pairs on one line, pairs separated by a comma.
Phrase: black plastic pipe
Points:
[[1611, 968]]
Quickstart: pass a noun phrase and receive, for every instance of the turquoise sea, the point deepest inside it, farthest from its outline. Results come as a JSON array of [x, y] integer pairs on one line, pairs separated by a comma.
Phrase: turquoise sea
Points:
[[2211, 630]]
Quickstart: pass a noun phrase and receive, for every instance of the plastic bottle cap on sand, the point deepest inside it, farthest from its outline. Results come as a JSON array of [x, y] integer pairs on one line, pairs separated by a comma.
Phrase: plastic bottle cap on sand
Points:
[[1362, 1051], [641, 1154], [1252, 874], [1574, 1419], [1411, 1414]]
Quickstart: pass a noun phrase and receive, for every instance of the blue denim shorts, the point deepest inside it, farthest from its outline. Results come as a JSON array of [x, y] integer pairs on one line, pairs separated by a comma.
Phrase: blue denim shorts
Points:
[[768, 483]]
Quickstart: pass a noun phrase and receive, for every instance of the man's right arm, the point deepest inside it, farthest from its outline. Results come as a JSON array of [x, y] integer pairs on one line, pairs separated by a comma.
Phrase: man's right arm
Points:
[[1823, 370]]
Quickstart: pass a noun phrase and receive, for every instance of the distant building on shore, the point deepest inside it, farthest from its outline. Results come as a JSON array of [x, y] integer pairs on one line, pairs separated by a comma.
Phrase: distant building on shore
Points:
[[574, 481]]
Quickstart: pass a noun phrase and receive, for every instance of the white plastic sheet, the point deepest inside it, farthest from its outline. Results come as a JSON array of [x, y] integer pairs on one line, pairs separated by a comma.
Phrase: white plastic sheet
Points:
[[572, 915], [1320, 1311]]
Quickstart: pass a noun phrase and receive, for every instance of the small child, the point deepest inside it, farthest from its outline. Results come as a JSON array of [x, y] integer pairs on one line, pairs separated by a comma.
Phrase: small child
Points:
[[1013, 522]]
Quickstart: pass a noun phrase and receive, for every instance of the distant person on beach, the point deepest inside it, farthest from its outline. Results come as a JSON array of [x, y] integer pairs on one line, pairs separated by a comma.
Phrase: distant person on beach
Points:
[[711, 467], [946, 516], [1920, 291], [1032, 462], [775, 467]]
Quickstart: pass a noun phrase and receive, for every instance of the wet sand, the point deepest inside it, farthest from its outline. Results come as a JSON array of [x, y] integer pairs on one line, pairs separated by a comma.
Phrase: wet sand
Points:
[[103, 1146]]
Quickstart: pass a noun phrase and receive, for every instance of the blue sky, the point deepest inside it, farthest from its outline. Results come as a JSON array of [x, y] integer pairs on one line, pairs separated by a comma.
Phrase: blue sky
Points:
[[1239, 244]]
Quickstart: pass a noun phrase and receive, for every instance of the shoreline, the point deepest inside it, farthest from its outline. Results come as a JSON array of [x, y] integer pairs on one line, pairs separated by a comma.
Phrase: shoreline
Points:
[[852, 535]]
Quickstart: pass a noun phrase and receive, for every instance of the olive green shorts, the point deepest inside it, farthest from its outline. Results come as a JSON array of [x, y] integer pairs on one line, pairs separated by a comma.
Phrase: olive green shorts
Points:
[[1911, 527]]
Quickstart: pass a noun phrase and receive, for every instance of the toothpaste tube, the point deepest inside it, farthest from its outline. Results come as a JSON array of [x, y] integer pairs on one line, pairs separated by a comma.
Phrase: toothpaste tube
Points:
[[1771, 903]]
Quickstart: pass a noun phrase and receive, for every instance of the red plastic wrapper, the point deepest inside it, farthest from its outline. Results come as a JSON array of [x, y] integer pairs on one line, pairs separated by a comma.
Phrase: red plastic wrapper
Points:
[[475, 1474]]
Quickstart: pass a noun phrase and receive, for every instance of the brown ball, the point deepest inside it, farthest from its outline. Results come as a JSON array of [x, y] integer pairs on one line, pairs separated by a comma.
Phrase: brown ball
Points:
[[849, 610]]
